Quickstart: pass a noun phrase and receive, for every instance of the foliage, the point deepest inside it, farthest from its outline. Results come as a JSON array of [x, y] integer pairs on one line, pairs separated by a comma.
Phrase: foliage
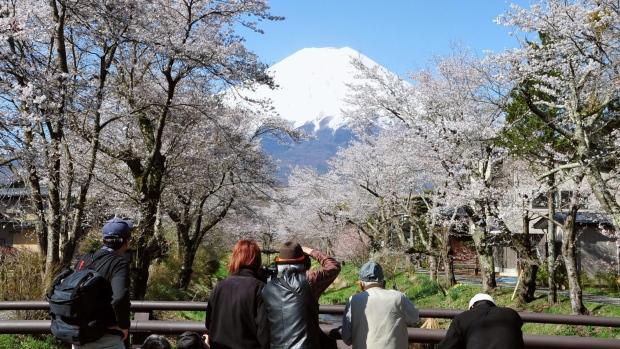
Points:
[[542, 276], [21, 274], [30, 342], [392, 262], [608, 279], [164, 274], [90, 242]]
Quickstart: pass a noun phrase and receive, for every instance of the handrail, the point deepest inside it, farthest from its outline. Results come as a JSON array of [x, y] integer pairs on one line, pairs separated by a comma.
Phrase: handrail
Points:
[[137, 305], [416, 335]]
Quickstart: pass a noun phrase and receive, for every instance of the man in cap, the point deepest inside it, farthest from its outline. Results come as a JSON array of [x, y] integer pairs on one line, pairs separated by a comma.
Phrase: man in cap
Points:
[[376, 317], [110, 263], [484, 326], [294, 296]]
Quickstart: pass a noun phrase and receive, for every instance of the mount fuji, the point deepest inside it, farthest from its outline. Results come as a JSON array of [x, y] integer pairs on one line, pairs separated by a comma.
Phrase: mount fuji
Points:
[[312, 85]]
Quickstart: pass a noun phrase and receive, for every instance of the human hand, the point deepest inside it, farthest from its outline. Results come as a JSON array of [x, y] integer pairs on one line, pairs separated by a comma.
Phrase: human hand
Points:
[[307, 250], [124, 331]]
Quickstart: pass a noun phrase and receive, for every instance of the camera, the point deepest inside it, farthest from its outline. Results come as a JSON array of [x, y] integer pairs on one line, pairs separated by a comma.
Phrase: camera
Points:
[[268, 273]]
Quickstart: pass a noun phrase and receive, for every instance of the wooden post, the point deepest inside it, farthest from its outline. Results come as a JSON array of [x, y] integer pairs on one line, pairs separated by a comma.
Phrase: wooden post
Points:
[[517, 285]]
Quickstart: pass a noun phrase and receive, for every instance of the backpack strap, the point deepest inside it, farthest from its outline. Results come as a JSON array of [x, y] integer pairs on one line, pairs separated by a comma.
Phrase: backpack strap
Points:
[[81, 265]]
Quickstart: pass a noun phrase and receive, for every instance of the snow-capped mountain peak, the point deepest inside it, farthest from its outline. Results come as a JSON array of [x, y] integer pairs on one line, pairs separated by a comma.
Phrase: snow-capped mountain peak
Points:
[[312, 86]]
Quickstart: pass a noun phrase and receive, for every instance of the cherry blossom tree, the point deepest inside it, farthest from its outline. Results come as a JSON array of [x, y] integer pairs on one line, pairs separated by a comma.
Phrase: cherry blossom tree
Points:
[[55, 67], [216, 169], [573, 62], [158, 83], [566, 74], [83, 79], [451, 113]]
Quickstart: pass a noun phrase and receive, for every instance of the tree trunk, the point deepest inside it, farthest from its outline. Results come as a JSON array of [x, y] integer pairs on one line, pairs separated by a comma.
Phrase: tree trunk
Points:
[[485, 256], [552, 296], [487, 264], [528, 262], [448, 263], [199, 226], [528, 282], [433, 267], [143, 255], [569, 253], [449, 272], [185, 274], [600, 189]]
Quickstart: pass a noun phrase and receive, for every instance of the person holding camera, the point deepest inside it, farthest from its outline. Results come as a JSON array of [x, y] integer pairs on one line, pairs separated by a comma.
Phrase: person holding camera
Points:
[[294, 295], [236, 316]]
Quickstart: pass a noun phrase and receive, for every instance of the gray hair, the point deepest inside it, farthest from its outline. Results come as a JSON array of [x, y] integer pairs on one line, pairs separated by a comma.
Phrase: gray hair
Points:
[[369, 283], [299, 267]]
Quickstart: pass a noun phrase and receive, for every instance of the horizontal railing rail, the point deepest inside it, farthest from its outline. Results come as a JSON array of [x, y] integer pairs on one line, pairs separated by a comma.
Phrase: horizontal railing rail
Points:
[[144, 306], [416, 335]]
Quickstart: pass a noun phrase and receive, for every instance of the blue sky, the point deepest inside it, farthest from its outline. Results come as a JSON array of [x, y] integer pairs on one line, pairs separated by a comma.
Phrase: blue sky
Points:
[[398, 34]]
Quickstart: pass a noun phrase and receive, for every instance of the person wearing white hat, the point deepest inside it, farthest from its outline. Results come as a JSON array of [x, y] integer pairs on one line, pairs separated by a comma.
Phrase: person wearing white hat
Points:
[[484, 326]]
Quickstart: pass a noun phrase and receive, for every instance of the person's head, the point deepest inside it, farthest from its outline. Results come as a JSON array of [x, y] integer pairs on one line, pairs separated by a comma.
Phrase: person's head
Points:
[[116, 233], [292, 256], [370, 274], [480, 297], [246, 254], [156, 342]]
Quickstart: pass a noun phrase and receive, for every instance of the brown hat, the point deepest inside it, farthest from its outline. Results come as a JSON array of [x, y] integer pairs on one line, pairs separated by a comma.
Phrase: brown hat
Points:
[[291, 252]]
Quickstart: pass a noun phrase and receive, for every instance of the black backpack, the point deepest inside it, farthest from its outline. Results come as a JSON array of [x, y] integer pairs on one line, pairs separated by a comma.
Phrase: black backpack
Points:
[[191, 340], [78, 301]]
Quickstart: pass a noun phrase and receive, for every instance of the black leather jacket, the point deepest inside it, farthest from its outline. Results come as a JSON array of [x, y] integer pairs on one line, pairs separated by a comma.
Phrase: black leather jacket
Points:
[[290, 319]]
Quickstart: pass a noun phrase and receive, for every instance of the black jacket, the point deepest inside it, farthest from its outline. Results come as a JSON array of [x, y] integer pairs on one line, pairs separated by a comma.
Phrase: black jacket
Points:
[[236, 317], [500, 328], [115, 269], [292, 325]]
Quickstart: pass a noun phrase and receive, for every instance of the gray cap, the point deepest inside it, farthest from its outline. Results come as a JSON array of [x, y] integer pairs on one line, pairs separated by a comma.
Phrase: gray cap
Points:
[[371, 272]]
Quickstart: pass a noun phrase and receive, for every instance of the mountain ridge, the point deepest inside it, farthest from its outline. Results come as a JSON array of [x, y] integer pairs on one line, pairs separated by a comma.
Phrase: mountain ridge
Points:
[[312, 85]]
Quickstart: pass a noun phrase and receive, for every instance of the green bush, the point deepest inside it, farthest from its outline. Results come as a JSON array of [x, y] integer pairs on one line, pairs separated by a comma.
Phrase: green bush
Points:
[[561, 278], [164, 274], [31, 342], [607, 278]]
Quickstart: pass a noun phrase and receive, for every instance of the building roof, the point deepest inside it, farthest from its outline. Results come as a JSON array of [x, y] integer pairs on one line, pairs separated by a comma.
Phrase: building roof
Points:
[[582, 218], [18, 192]]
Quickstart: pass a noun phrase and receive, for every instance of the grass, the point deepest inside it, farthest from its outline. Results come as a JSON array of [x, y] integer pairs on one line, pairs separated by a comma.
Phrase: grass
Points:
[[427, 294], [30, 342]]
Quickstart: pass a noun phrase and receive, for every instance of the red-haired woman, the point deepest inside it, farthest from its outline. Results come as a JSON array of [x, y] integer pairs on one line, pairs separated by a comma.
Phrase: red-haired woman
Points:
[[236, 316]]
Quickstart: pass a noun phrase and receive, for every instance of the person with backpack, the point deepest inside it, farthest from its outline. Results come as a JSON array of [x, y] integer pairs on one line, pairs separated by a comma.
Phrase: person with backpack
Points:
[[484, 326], [113, 267]]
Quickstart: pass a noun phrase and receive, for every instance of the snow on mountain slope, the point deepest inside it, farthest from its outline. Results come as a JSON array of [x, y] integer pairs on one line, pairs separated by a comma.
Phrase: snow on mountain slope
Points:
[[312, 86]]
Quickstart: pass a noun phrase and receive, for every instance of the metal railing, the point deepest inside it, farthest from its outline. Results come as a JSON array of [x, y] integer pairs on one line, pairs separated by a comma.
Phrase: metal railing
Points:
[[416, 335]]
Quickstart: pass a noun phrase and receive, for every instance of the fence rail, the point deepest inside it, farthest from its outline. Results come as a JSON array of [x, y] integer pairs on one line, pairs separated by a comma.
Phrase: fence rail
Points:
[[416, 335]]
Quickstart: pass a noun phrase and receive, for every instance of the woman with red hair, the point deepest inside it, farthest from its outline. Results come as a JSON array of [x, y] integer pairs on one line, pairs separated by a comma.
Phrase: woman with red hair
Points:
[[236, 316]]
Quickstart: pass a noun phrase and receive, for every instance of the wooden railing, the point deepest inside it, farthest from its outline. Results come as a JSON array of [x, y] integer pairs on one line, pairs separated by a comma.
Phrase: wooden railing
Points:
[[142, 324]]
